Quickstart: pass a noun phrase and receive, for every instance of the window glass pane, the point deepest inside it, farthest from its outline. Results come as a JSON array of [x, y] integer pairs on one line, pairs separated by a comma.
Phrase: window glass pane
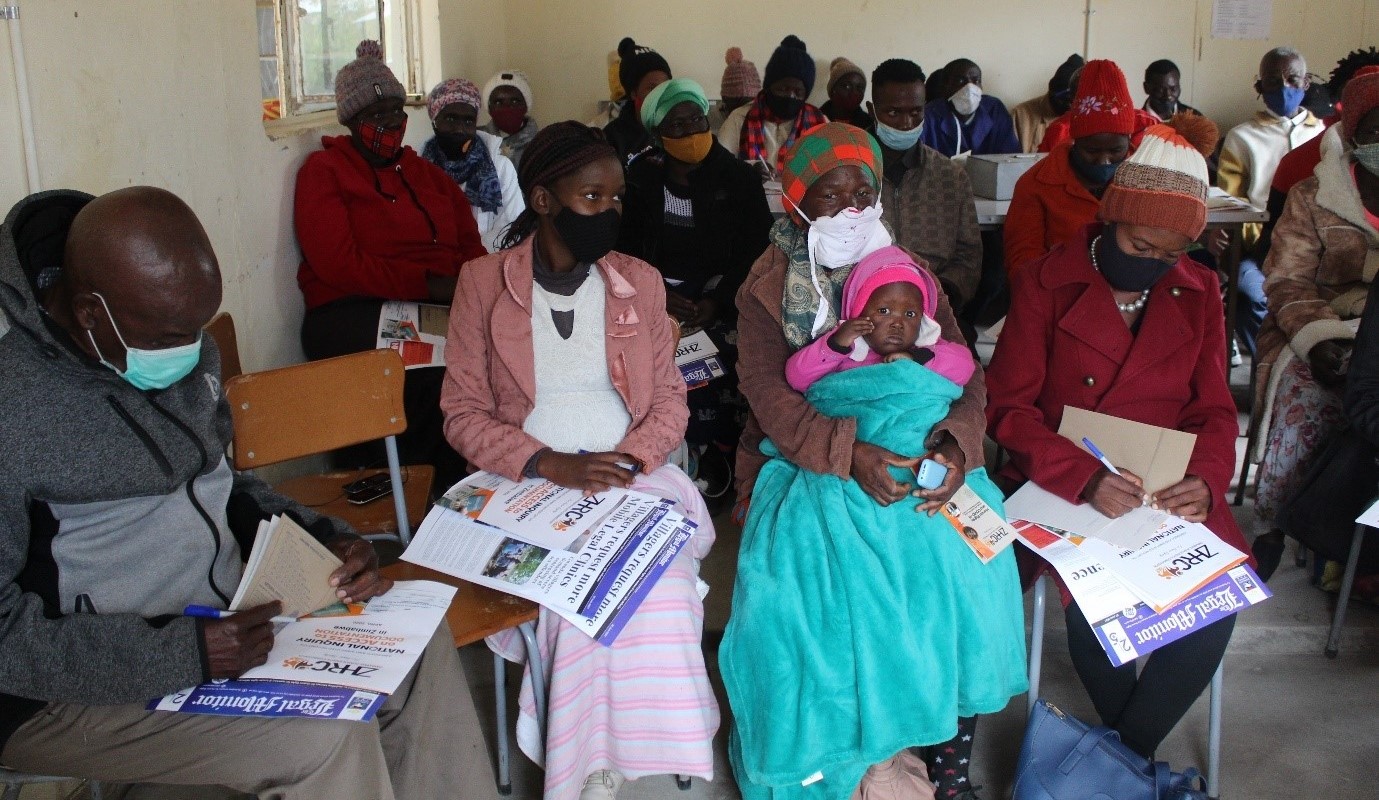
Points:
[[268, 30], [329, 30]]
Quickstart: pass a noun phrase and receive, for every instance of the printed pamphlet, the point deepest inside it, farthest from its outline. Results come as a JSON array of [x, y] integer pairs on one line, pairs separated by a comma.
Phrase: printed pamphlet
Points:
[[983, 530], [415, 330], [612, 553], [340, 666], [697, 357]]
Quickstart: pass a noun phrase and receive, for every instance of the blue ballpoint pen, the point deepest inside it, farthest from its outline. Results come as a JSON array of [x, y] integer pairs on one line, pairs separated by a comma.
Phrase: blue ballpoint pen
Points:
[[1100, 456], [214, 613]]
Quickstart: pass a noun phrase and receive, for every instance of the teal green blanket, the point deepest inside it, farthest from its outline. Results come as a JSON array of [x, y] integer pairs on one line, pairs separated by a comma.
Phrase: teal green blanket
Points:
[[858, 630]]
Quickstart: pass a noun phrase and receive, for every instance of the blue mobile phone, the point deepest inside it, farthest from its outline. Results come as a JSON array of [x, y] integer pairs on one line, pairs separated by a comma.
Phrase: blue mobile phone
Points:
[[930, 474]]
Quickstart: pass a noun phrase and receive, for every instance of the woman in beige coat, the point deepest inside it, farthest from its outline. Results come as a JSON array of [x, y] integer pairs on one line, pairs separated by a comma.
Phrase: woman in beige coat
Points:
[[1324, 255]]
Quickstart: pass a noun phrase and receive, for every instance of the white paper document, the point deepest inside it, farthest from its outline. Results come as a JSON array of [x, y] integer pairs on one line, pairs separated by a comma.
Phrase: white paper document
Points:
[[1035, 504], [1179, 558], [615, 549], [538, 511], [372, 650]]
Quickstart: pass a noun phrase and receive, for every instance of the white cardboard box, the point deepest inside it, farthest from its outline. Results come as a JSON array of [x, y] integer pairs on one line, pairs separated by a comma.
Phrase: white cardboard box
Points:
[[994, 176]]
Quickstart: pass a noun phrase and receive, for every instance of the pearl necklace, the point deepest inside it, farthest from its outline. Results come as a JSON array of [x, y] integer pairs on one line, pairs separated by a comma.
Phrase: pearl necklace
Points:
[[1125, 308]]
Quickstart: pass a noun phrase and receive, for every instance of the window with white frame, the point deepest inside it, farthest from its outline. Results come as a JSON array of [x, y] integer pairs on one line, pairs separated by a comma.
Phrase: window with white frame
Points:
[[303, 43]]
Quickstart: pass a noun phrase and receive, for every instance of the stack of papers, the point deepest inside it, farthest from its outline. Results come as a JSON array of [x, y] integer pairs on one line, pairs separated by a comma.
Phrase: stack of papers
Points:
[[1138, 600], [592, 560], [697, 357]]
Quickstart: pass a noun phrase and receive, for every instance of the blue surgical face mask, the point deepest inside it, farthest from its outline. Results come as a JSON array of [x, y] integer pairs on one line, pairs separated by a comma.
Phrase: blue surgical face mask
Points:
[[1096, 174], [1284, 101], [896, 139], [150, 369]]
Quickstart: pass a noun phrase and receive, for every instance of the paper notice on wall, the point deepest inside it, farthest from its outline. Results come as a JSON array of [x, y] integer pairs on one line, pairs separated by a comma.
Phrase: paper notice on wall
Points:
[[1241, 19]]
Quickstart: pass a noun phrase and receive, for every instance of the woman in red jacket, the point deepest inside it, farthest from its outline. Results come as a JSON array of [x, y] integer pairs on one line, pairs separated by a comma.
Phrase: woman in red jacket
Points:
[[377, 222], [1060, 194], [1120, 321]]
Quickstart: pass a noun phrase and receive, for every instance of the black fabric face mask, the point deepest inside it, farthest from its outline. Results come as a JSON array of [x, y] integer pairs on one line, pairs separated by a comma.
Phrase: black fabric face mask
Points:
[[588, 236], [454, 145], [1128, 273], [784, 107]]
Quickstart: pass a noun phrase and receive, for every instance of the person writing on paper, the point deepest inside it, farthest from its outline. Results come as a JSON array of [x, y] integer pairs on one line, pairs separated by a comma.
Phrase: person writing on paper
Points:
[[567, 372], [856, 438], [119, 510], [1120, 321], [1056, 198]]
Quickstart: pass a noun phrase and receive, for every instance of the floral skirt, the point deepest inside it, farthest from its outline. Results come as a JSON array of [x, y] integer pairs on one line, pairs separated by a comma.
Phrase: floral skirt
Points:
[[1305, 414]]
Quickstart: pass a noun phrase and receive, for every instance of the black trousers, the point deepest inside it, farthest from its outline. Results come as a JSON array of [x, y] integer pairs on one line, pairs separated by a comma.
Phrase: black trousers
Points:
[[1144, 708], [351, 326]]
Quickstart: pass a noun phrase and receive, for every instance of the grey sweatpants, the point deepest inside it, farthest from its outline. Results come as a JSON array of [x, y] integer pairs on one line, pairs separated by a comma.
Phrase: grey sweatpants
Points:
[[424, 743]]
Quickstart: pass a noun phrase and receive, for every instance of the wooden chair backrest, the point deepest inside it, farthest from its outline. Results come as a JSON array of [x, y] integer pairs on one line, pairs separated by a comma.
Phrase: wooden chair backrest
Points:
[[297, 411], [222, 330]]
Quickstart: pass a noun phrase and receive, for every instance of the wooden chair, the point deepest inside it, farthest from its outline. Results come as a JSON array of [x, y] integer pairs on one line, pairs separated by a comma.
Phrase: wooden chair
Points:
[[478, 612], [289, 413], [222, 329]]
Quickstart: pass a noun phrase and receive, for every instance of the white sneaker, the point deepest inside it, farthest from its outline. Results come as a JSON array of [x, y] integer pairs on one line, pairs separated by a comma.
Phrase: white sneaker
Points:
[[601, 784], [1236, 360]]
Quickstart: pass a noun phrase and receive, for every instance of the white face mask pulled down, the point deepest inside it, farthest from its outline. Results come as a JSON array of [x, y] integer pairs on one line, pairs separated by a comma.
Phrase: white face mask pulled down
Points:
[[839, 241]]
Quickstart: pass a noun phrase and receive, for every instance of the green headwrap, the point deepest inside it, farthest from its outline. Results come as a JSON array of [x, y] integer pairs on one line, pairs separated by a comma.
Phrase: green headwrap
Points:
[[667, 96]]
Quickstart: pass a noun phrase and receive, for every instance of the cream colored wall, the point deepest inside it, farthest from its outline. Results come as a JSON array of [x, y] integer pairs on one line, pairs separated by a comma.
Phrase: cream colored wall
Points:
[[563, 44], [166, 91]]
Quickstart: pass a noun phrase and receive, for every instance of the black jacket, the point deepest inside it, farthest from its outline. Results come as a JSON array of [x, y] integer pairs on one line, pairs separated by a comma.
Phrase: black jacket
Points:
[[626, 133], [731, 218]]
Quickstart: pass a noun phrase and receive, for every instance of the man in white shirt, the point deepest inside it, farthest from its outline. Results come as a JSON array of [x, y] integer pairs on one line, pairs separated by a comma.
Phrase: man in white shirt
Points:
[[1250, 155], [1252, 149]]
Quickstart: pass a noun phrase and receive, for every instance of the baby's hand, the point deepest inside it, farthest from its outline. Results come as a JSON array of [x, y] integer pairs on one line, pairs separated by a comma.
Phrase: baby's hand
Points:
[[849, 331], [897, 357]]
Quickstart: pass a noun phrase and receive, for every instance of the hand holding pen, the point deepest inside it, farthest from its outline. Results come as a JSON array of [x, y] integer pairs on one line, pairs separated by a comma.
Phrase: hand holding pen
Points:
[[236, 641], [1114, 492]]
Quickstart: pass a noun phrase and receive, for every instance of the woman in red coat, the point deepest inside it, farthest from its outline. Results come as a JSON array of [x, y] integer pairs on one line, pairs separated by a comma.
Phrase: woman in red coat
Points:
[[1120, 321], [1061, 194], [377, 222]]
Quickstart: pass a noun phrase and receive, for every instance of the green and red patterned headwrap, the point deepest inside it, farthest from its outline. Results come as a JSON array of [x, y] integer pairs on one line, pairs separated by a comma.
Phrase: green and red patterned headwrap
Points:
[[818, 151]]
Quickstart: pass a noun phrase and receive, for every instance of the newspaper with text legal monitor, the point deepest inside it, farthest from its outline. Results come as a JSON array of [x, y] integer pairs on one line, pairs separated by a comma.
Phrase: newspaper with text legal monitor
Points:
[[337, 661], [1205, 578], [592, 560], [697, 357]]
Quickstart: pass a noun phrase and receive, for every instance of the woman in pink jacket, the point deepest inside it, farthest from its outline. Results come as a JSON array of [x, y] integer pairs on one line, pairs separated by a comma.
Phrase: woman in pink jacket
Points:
[[560, 364]]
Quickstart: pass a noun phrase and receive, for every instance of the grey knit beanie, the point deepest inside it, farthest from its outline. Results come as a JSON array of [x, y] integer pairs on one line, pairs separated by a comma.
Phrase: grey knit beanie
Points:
[[364, 81]]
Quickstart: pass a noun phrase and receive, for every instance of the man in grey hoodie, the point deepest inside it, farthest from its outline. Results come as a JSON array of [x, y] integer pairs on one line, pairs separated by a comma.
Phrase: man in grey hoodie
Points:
[[118, 509]]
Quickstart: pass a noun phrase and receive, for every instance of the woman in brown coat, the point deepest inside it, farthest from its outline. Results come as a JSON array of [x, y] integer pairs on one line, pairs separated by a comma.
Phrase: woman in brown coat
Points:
[[792, 294], [1324, 256]]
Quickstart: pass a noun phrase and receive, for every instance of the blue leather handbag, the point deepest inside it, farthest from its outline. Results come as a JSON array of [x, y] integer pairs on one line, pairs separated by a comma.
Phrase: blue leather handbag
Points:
[[1063, 758]]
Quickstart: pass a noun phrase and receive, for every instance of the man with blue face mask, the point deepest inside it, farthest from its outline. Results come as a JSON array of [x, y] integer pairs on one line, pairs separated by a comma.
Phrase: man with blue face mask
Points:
[[1251, 151], [926, 198], [118, 510]]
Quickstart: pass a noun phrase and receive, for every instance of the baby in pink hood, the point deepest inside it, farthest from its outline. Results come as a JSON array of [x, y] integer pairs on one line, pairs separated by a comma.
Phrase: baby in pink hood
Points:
[[888, 314]]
